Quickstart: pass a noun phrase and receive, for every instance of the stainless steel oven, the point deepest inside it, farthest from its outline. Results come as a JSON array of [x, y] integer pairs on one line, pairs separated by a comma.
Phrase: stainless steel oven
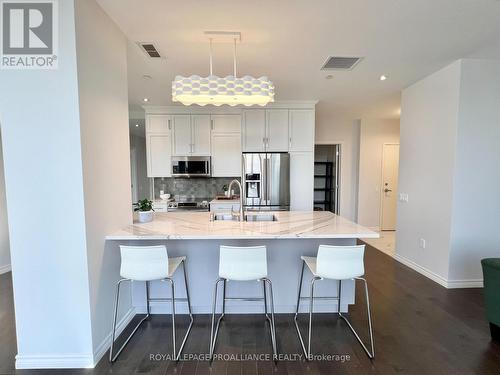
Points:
[[191, 166]]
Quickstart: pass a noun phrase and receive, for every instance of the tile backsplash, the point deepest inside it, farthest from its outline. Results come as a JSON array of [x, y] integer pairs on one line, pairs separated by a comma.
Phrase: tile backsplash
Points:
[[196, 187]]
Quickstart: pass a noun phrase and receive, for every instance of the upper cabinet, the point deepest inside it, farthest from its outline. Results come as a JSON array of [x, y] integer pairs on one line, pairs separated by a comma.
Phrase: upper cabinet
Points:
[[159, 153], [265, 130], [225, 124], [158, 145], [224, 136], [191, 135], [201, 135], [158, 124], [301, 130], [277, 130], [226, 145], [254, 130]]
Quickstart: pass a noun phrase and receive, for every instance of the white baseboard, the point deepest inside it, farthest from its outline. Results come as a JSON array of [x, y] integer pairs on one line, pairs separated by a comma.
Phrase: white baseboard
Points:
[[54, 361], [72, 360], [448, 284], [5, 269], [103, 347], [243, 308]]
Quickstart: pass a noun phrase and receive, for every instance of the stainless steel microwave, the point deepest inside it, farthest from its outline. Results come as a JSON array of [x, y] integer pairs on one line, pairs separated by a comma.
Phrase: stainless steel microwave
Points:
[[191, 166]]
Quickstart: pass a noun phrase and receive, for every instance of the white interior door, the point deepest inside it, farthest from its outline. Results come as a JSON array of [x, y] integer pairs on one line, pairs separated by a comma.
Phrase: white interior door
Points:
[[389, 190]]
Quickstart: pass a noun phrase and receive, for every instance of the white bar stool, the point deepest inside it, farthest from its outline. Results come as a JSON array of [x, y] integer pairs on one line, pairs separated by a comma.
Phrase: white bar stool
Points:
[[242, 264], [150, 263], [334, 263]]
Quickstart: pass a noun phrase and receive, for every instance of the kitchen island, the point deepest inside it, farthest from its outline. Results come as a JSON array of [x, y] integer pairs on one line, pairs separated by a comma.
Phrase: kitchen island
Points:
[[290, 235]]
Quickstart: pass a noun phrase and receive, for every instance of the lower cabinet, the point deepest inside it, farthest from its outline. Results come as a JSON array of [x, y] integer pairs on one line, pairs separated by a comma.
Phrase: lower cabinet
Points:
[[159, 152], [301, 181], [226, 155]]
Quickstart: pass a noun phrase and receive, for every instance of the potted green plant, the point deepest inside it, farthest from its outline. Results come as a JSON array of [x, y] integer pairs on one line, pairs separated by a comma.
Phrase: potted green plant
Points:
[[145, 209]]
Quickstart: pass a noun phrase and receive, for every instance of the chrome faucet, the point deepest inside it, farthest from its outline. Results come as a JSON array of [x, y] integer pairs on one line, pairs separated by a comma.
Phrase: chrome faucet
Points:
[[241, 217]]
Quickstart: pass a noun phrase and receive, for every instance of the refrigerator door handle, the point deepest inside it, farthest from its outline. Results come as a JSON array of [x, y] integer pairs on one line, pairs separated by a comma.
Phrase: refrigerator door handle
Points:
[[269, 179], [263, 179]]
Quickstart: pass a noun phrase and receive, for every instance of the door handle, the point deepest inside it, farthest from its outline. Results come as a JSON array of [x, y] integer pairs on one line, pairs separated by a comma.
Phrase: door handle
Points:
[[387, 190]]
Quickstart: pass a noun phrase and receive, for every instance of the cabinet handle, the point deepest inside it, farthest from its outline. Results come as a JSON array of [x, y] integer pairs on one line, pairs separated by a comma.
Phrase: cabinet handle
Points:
[[169, 125], [212, 124]]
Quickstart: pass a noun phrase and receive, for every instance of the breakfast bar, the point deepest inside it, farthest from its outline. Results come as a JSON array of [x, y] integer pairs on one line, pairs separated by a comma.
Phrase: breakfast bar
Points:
[[287, 236]]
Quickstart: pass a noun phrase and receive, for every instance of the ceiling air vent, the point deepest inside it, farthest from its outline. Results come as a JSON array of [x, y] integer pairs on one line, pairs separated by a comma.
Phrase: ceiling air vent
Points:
[[341, 63], [150, 49]]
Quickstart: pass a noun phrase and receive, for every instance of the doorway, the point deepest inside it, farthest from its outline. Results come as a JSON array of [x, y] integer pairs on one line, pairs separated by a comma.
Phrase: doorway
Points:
[[389, 188], [327, 178]]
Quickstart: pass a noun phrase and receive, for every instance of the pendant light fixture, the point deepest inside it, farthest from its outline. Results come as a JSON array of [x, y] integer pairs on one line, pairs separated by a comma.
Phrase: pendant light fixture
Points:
[[217, 91]]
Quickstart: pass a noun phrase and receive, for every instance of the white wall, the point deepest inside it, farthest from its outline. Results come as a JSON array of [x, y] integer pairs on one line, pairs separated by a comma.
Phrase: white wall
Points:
[[4, 228], [67, 172], [476, 198], [39, 115], [102, 78], [333, 128], [374, 134], [449, 167], [429, 114]]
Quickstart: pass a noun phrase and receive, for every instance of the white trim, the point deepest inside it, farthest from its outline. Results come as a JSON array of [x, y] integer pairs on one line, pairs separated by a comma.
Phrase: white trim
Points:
[[73, 360], [448, 284], [158, 307], [54, 361], [103, 347], [180, 109], [5, 269]]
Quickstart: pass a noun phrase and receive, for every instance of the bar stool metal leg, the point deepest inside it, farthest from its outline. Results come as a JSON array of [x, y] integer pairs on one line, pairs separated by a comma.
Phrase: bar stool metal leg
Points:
[[112, 357], [213, 335], [371, 352], [272, 324], [189, 310]]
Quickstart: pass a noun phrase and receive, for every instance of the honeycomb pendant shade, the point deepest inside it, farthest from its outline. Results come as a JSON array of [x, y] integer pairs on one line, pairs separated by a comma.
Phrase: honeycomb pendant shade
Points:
[[217, 91]]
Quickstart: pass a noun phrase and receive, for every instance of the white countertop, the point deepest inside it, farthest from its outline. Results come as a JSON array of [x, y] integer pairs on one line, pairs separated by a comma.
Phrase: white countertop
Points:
[[197, 225]]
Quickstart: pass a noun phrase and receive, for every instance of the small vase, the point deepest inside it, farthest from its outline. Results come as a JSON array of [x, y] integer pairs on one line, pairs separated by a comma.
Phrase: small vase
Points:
[[146, 216]]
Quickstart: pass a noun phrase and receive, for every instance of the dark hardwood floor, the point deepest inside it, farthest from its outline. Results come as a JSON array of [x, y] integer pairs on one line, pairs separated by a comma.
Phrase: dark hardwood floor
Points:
[[419, 326]]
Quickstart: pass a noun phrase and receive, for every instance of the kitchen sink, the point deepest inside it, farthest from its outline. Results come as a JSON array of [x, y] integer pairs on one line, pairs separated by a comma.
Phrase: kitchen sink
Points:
[[248, 217], [261, 217]]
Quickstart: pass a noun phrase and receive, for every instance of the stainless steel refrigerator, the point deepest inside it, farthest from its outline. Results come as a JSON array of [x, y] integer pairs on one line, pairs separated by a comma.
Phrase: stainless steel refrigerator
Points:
[[266, 181]]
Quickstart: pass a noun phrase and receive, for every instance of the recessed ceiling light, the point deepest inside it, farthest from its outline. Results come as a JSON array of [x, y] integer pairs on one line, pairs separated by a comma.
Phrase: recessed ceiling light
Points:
[[329, 76], [383, 77], [136, 125], [145, 100]]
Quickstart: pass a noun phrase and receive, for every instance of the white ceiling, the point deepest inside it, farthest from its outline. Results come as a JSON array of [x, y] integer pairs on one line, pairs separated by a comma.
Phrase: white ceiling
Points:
[[289, 40]]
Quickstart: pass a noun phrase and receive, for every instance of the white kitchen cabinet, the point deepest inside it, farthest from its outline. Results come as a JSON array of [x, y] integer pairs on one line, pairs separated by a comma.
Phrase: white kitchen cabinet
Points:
[[254, 130], [301, 130], [226, 124], [226, 155], [191, 135], [158, 149], [181, 131], [200, 137], [277, 130], [265, 130], [301, 181], [158, 124]]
